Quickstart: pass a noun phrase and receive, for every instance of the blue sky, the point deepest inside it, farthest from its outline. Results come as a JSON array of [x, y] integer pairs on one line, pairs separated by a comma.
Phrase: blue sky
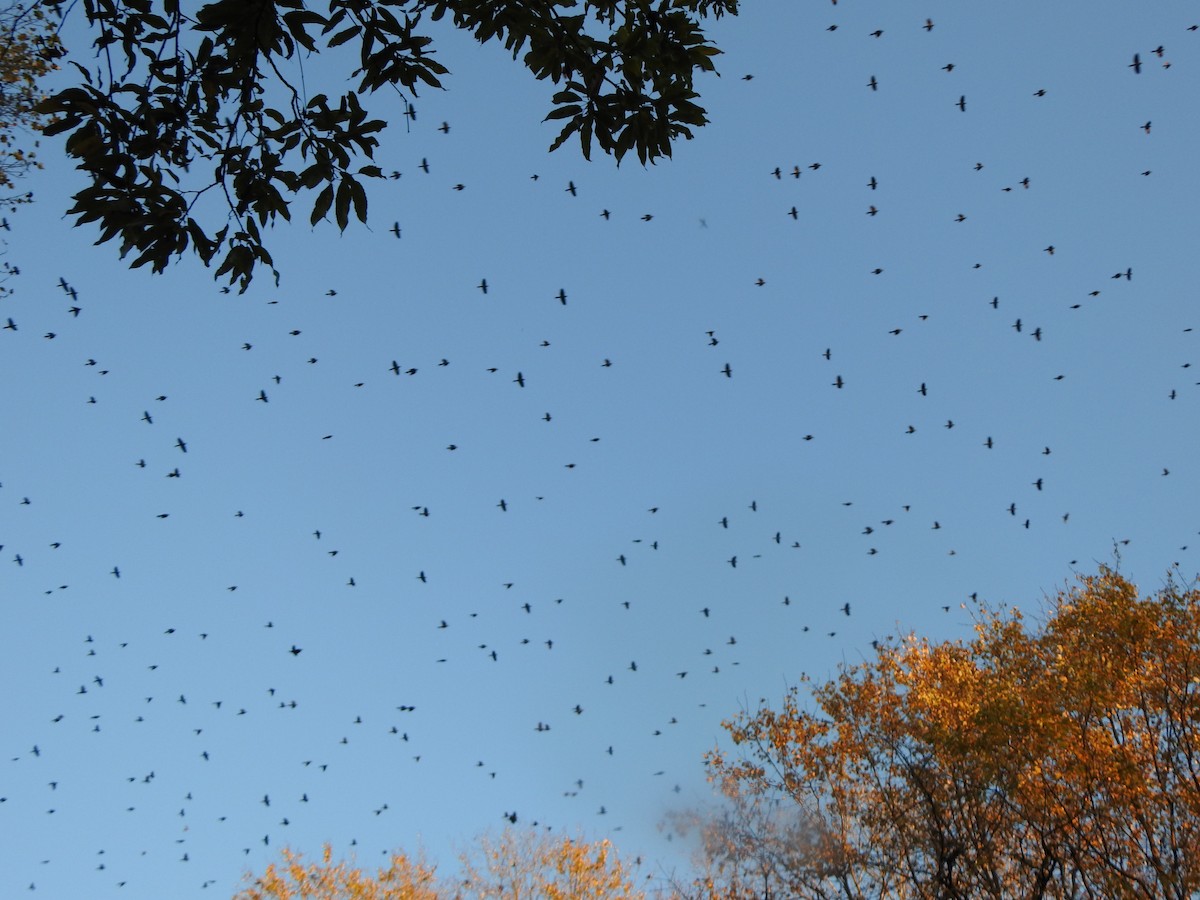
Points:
[[896, 504]]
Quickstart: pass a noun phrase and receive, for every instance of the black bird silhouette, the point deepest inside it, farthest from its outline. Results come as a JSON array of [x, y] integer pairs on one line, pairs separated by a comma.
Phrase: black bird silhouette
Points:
[[180, 444], [395, 229], [483, 285], [873, 84], [562, 296], [962, 104], [1136, 65], [11, 326], [727, 371], [571, 189]]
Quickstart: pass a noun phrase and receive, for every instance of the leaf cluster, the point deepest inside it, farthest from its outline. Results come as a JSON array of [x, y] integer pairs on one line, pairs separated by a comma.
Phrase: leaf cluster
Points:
[[181, 103]]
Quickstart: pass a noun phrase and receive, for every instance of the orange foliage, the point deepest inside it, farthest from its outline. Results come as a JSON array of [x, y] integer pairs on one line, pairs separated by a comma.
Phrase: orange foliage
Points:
[[28, 48], [291, 879], [1062, 761], [514, 866], [526, 865]]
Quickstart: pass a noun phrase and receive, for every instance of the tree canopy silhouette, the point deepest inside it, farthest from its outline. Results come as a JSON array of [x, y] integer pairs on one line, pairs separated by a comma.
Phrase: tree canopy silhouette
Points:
[[186, 100]]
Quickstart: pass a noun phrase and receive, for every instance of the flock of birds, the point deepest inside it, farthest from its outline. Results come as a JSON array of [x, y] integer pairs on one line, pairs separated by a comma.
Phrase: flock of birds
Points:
[[398, 600]]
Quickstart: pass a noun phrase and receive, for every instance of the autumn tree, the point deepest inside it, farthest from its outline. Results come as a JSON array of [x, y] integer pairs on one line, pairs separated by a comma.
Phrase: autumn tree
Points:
[[28, 48], [1056, 760], [189, 101], [511, 866], [292, 879], [519, 865]]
